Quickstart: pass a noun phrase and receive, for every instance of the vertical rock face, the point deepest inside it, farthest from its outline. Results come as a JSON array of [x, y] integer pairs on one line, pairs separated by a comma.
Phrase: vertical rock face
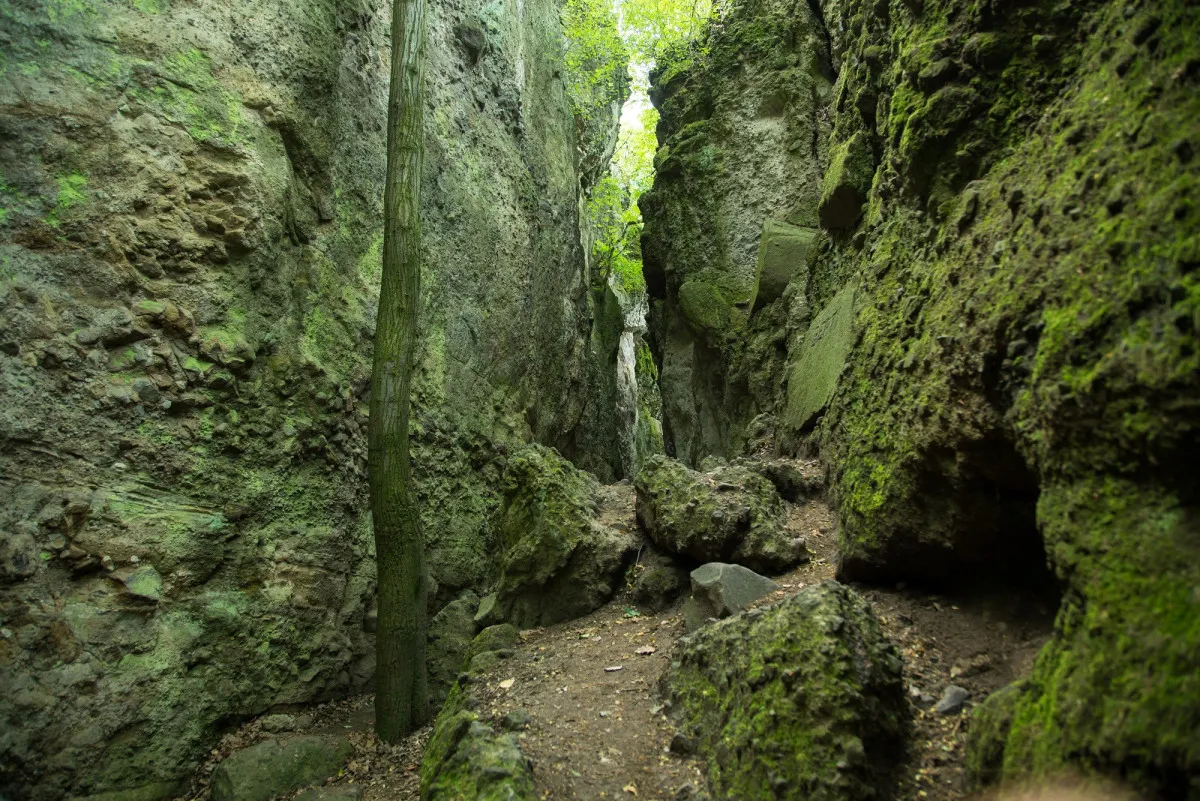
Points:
[[1002, 368], [741, 145], [190, 208]]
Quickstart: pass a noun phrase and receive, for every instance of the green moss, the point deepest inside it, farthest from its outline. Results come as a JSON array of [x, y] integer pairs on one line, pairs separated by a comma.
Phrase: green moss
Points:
[[1048, 307], [847, 182], [727, 514], [192, 97], [72, 191], [804, 701], [706, 309]]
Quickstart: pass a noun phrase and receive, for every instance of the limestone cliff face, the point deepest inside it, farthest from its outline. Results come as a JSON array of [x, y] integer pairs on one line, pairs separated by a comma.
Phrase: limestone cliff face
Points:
[[741, 144], [993, 342], [189, 206]]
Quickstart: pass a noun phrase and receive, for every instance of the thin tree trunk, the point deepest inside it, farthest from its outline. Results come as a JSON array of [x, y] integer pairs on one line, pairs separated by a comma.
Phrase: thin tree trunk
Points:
[[401, 701]]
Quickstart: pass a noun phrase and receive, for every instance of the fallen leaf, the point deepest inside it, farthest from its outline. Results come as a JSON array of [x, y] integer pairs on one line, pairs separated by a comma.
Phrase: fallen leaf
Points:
[[645, 650], [629, 788], [507, 684], [614, 668]]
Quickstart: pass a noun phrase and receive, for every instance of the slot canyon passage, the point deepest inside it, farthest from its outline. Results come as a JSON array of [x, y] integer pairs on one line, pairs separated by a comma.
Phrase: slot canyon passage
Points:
[[841, 448]]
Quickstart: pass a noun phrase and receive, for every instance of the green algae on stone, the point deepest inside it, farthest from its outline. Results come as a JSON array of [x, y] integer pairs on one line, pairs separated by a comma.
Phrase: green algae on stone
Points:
[[803, 699]]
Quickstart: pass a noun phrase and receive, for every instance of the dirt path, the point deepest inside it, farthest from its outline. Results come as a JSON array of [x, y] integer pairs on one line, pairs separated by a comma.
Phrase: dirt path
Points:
[[590, 687]]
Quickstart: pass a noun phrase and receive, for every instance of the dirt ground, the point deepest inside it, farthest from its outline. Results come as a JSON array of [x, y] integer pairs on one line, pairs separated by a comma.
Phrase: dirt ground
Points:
[[590, 687]]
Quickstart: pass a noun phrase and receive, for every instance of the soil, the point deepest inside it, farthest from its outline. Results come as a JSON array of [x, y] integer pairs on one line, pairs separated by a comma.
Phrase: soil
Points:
[[591, 686]]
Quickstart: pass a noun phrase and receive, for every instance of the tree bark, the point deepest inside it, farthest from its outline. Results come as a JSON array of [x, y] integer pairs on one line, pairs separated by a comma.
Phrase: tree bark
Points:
[[401, 701]]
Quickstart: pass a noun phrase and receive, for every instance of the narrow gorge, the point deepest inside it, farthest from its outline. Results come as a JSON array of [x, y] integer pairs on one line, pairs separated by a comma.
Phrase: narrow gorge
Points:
[[846, 458]]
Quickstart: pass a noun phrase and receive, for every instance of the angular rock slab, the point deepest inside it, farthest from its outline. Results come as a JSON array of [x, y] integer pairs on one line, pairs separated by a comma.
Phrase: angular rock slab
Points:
[[800, 700], [814, 376], [273, 767], [727, 514], [783, 250], [720, 590]]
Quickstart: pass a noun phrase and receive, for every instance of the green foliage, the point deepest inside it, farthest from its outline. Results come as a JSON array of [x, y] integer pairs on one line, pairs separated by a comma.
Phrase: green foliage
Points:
[[652, 27], [596, 57]]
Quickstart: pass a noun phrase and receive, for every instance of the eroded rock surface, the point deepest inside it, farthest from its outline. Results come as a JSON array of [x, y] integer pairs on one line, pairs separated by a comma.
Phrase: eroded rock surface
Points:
[[730, 513], [800, 700], [558, 561]]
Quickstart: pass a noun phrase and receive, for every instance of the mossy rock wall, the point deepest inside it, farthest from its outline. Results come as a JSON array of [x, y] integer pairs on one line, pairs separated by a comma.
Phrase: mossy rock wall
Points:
[[1023, 384], [190, 243], [739, 144]]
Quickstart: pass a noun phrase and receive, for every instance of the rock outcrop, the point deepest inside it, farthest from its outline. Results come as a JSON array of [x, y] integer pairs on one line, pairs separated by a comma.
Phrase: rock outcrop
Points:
[[730, 513], [466, 758], [742, 140], [799, 700], [190, 211], [557, 560], [992, 342]]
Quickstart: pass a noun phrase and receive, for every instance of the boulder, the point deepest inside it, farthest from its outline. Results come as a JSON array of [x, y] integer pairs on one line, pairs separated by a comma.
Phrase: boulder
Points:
[[720, 590], [468, 759], [155, 791], [727, 514], [558, 562], [450, 635], [782, 251], [274, 767], [847, 182], [800, 700], [351, 792], [488, 613], [658, 581]]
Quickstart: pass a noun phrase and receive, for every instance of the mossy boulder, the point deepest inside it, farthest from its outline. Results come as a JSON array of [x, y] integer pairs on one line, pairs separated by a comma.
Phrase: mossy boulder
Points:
[[847, 182], [705, 309], [273, 767], [464, 757], [800, 700], [728, 514], [469, 759], [657, 580], [782, 253], [450, 634], [558, 561]]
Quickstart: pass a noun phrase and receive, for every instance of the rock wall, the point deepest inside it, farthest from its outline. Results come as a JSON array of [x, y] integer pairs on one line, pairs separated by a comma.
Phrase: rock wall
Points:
[[189, 206], [992, 345], [741, 144]]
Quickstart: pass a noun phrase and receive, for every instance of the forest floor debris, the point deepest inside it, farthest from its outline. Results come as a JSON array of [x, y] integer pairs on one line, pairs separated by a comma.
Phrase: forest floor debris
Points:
[[593, 724]]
